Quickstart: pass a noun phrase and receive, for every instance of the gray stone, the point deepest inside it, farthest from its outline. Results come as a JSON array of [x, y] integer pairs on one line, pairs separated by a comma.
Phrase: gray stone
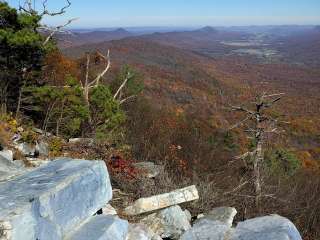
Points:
[[26, 149], [101, 227], [272, 227], [42, 148], [188, 214], [148, 169], [222, 214], [51, 201], [109, 210], [7, 154], [149, 204], [208, 230], [89, 141], [168, 223], [8, 167], [141, 232]]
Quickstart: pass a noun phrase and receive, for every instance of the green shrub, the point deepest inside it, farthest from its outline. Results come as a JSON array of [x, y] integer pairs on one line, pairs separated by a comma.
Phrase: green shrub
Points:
[[282, 162], [55, 146], [106, 113]]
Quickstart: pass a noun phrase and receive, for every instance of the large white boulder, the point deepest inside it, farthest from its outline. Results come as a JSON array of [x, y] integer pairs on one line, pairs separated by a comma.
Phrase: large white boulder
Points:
[[49, 202], [149, 204], [208, 230], [168, 223], [101, 227], [272, 227]]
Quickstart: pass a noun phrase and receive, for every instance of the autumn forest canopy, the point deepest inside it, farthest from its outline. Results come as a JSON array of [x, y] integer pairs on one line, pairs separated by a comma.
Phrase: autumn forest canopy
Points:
[[233, 110]]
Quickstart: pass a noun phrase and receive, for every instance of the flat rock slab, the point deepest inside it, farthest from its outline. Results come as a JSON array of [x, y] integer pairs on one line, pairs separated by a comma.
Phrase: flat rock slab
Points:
[[272, 227], [149, 204], [102, 227], [51, 201]]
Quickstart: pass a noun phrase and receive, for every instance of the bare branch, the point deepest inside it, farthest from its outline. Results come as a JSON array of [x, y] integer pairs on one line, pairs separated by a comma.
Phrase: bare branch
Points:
[[54, 30], [127, 99], [122, 85], [96, 81], [242, 109], [61, 12], [239, 123]]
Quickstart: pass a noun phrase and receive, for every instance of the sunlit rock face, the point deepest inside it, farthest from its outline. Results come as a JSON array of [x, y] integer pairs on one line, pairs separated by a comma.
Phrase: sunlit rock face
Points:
[[51, 201]]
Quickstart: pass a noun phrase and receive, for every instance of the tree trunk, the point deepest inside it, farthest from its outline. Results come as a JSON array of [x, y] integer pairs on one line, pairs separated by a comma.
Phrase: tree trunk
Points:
[[256, 171], [20, 95], [60, 119]]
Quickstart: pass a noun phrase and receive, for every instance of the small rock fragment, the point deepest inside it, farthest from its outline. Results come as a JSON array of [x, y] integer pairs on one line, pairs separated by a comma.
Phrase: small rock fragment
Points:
[[222, 214], [109, 210], [168, 223], [148, 169]]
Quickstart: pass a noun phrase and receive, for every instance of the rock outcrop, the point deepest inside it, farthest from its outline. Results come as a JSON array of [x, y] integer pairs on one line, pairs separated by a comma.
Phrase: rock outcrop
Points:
[[68, 199]]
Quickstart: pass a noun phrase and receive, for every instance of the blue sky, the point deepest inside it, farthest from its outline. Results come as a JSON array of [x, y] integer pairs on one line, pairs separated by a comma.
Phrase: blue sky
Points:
[[131, 13]]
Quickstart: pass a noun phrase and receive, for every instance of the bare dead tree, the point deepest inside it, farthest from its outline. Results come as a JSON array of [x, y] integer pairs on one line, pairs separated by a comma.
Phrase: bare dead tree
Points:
[[88, 84], [258, 124], [29, 7], [93, 83]]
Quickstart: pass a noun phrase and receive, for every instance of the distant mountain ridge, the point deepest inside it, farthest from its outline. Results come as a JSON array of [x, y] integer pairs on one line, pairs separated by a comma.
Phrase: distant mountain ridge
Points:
[[76, 39]]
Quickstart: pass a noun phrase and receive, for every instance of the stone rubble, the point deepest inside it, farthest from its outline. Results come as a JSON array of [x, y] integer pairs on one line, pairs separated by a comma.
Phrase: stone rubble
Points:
[[59, 200]]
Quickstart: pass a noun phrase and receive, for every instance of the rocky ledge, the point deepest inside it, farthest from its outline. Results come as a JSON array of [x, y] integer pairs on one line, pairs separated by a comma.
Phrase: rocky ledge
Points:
[[67, 199]]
